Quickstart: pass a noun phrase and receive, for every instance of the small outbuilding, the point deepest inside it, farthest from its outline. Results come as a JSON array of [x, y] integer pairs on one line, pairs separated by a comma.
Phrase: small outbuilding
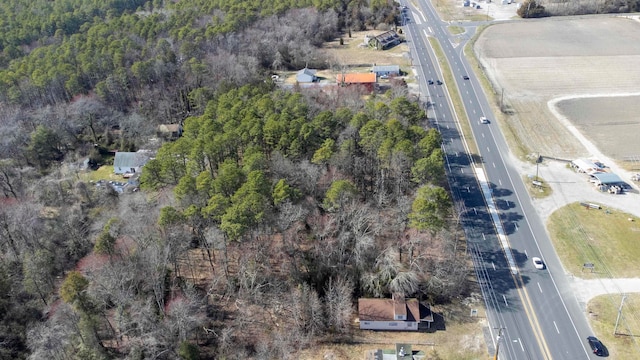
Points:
[[306, 76], [401, 352], [603, 178]]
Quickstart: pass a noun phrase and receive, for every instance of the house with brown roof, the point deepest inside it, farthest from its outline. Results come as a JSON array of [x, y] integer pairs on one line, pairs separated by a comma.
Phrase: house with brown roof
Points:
[[397, 313], [170, 131], [367, 80]]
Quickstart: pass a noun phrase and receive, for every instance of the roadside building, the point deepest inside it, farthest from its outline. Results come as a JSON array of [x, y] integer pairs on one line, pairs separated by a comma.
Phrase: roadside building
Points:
[[397, 313], [383, 41], [386, 70], [585, 166], [367, 80]]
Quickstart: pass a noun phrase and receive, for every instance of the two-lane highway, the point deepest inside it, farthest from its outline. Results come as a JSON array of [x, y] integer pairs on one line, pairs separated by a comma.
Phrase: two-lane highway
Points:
[[538, 315]]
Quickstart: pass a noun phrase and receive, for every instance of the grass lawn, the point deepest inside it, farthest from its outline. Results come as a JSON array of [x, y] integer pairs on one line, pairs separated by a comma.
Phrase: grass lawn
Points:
[[455, 30], [536, 191], [104, 172], [605, 237], [603, 312]]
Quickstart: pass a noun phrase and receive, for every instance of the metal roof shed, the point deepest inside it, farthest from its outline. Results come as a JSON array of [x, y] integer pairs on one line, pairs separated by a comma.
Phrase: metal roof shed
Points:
[[586, 166], [608, 178]]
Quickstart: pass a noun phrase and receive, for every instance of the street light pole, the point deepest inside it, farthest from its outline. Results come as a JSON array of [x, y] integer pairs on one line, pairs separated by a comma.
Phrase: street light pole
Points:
[[537, 162]]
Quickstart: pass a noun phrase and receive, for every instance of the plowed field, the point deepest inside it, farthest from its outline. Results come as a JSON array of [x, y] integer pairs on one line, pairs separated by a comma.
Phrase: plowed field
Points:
[[559, 75]]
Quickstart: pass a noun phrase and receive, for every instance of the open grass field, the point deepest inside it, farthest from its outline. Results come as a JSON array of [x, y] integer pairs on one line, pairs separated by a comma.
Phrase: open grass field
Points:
[[603, 313], [606, 237], [567, 58]]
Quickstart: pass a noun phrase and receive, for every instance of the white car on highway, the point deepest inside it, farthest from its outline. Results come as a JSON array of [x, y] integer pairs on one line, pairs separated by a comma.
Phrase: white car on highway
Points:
[[484, 120], [537, 262]]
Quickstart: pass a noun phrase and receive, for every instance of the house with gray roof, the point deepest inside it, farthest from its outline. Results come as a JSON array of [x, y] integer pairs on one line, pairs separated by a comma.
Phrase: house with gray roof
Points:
[[129, 163], [386, 70], [306, 75]]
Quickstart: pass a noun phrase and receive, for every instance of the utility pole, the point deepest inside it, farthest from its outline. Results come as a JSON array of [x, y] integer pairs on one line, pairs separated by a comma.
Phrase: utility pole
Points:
[[537, 162], [615, 329], [495, 357]]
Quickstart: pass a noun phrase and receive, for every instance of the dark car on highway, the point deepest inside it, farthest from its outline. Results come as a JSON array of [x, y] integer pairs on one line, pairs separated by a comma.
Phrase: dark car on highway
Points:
[[438, 82], [596, 345], [465, 77], [430, 82]]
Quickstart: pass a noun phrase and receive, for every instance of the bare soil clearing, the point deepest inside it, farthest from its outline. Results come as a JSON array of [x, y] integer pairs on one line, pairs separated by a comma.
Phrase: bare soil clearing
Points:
[[541, 60]]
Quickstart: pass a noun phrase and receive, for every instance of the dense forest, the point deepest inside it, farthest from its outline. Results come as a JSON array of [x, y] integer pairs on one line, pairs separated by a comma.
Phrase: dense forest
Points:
[[256, 231]]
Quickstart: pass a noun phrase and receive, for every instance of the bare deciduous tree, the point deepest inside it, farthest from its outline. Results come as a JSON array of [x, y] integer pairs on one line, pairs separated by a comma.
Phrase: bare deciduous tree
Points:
[[338, 304]]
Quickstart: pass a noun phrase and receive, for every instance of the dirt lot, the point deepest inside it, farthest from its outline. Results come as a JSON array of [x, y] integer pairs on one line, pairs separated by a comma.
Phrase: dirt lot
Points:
[[591, 63]]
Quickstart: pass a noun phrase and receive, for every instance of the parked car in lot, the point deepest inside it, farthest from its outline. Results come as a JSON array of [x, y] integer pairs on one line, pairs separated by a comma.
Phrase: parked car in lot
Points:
[[596, 345], [537, 262], [484, 120]]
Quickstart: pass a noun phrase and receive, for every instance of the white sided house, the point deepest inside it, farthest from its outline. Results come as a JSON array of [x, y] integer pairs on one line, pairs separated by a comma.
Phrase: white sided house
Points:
[[397, 313]]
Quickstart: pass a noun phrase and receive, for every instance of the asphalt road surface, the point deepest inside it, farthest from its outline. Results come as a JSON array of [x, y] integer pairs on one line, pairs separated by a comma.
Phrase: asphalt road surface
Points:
[[533, 314]]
